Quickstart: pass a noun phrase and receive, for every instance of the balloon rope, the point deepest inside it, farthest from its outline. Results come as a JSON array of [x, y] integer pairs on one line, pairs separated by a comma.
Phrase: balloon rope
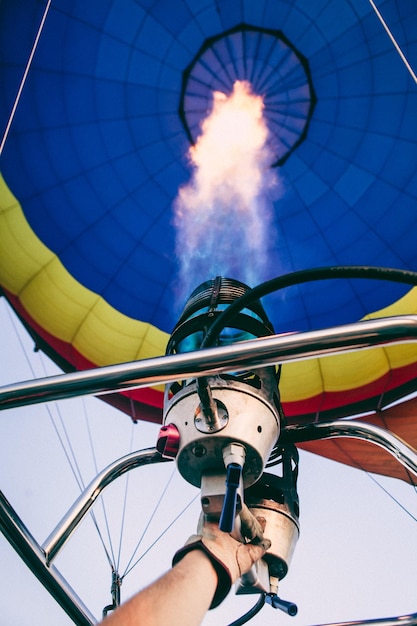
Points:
[[187, 506], [26, 72], [391, 36], [102, 501], [78, 478], [122, 524], [161, 497], [371, 476], [393, 498], [71, 457]]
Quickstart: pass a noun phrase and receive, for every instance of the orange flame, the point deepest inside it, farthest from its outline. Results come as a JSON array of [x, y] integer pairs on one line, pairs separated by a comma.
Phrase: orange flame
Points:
[[223, 213]]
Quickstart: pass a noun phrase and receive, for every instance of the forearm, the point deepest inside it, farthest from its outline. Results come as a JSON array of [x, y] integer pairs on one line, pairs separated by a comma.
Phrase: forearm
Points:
[[181, 597]]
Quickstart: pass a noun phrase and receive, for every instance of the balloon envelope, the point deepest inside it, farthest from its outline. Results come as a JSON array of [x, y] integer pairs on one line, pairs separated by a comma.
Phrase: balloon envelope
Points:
[[98, 150]]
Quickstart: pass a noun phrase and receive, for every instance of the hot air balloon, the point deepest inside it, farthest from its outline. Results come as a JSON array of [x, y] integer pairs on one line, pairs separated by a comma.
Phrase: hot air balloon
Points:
[[101, 102]]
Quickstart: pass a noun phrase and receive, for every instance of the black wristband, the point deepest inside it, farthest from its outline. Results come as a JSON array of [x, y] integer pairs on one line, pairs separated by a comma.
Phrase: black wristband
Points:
[[224, 580]]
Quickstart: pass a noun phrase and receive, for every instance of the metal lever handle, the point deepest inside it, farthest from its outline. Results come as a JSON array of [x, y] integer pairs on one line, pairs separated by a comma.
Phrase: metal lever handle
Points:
[[228, 514], [277, 603]]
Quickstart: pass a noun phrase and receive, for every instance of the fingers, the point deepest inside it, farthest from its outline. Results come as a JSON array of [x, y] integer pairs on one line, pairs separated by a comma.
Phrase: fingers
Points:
[[265, 544], [249, 553], [252, 527]]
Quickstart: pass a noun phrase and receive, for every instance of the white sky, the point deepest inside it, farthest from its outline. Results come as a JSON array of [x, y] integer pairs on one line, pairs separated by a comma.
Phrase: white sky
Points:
[[355, 558]]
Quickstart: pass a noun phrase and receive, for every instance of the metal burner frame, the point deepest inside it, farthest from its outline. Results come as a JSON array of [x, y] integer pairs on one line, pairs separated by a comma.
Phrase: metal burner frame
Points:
[[249, 354]]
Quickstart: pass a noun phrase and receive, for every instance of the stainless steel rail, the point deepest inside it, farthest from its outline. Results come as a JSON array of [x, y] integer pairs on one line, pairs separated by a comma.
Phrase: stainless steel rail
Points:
[[401, 620], [32, 554], [83, 504], [405, 454], [296, 434], [244, 355]]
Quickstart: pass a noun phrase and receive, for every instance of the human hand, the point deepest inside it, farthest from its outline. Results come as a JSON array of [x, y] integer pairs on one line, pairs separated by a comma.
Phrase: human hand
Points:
[[230, 557]]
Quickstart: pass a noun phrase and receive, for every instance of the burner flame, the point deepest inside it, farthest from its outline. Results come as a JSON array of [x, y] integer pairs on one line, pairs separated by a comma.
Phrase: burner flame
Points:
[[223, 214]]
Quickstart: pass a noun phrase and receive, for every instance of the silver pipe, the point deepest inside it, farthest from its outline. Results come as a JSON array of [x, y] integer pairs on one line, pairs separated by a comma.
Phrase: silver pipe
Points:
[[402, 620], [405, 454], [56, 540], [32, 554], [244, 355]]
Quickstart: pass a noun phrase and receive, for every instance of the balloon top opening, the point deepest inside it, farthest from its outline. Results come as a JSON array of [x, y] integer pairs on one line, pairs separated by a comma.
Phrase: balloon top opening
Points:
[[277, 72]]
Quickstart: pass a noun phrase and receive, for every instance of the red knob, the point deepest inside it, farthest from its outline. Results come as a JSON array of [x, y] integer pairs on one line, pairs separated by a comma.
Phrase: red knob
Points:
[[168, 441]]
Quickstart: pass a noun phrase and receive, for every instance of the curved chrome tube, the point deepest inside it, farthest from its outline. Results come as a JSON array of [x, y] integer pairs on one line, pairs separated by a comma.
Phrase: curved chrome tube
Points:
[[32, 554], [401, 620], [405, 454], [42, 557], [83, 504], [243, 355], [252, 354]]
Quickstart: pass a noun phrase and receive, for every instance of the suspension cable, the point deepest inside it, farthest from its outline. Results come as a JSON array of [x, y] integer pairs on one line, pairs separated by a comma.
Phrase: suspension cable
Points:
[[372, 477], [162, 534], [393, 498], [25, 74], [103, 506], [156, 507], [122, 525], [75, 468], [78, 477], [394, 41]]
